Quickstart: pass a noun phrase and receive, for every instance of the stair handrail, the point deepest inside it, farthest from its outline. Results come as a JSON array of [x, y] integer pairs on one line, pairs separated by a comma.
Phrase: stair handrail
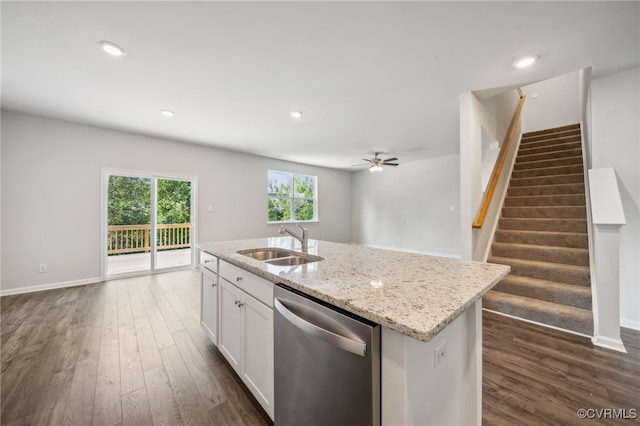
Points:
[[497, 168]]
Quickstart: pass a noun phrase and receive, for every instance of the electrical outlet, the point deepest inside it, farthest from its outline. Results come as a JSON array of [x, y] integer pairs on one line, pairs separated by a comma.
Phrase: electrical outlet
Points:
[[43, 268], [439, 353]]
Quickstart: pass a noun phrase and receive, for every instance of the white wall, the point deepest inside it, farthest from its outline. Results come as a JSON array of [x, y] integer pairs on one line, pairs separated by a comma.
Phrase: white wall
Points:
[[51, 173], [494, 114], [551, 103], [408, 207], [498, 112], [470, 169], [615, 108]]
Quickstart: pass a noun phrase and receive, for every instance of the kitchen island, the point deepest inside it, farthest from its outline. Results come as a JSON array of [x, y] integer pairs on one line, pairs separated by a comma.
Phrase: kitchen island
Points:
[[429, 309]]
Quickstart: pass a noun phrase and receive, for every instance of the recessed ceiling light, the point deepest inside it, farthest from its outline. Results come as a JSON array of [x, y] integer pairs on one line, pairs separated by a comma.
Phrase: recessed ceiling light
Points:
[[167, 113], [526, 61], [296, 114], [111, 48]]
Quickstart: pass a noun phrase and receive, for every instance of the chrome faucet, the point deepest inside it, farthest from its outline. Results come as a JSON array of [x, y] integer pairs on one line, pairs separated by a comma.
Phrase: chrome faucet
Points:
[[304, 238]]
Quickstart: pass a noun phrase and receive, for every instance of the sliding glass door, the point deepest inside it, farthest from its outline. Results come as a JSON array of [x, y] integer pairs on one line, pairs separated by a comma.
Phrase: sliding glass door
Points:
[[147, 222]]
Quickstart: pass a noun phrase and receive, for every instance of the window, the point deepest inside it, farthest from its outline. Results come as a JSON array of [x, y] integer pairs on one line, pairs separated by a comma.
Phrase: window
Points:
[[292, 198]]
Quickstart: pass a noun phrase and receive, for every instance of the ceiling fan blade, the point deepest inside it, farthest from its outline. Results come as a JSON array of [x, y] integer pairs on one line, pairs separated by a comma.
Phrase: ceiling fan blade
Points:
[[365, 159], [358, 165], [390, 159], [390, 164]]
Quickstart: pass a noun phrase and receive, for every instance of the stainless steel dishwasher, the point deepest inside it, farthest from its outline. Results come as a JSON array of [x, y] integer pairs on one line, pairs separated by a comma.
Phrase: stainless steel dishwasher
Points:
[[327, 363]]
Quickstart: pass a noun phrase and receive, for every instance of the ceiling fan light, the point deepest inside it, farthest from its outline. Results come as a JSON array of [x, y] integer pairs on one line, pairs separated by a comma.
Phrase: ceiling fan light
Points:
[[375, 168]]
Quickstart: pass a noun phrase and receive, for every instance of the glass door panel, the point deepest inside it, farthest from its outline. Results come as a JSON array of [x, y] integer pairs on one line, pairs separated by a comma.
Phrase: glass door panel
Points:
[[173, 223], [128, 224]]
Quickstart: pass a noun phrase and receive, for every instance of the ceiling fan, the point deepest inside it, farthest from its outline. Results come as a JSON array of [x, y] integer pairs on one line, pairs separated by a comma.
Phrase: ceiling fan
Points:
[[375, 164]]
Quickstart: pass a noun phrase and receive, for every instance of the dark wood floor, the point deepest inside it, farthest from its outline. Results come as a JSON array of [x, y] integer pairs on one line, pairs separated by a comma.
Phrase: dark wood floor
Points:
[[534, 375], [132, 352], [125, 352]]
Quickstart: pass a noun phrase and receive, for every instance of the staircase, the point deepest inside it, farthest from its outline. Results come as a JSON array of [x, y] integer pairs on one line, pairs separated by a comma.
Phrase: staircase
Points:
[[542, 235]]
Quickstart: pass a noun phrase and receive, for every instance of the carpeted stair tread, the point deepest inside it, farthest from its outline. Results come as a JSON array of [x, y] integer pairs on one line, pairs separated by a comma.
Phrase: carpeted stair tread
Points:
[[557, 189], [553, 254], [554, 314], [526, 150], [549, 171], [543, 224], [560, 129], [543, 238], [544, 164], [548, 154], [557, 200], [551, 212], [548, 140], [570, 274], [566, 294], [547, 180]]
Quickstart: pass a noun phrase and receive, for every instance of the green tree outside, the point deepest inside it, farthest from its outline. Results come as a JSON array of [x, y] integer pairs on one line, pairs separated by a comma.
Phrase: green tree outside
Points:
[[282, 195], [129, 201], [174, 201], [279, 202], [304, 187]]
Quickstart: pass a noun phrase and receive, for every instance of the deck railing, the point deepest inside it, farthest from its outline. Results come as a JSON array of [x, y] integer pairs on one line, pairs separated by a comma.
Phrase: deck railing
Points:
[[136, 238]]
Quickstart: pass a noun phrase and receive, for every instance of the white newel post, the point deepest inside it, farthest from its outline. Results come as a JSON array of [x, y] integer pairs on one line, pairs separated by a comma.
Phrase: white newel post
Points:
[[608, 217]]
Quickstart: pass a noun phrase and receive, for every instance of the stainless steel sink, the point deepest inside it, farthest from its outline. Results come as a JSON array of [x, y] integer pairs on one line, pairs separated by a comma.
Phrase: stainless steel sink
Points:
[[292, 261], [280, 257], [265, 253]]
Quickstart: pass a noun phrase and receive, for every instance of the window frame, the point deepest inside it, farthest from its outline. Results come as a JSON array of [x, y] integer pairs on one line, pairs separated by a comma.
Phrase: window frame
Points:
[[292, 198]]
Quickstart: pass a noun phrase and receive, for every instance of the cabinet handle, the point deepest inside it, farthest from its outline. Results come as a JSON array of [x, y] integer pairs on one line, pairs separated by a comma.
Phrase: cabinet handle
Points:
[[213, 284], [238, 278], [208, 261], [240, 304]]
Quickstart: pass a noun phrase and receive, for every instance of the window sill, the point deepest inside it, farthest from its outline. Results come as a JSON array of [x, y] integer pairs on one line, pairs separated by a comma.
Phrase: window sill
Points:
[[292, 222]]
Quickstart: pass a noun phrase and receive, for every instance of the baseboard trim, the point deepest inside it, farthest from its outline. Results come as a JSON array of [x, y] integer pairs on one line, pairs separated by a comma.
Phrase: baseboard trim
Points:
[[50, 286], [626, 323], [609, 343], [538, 323]]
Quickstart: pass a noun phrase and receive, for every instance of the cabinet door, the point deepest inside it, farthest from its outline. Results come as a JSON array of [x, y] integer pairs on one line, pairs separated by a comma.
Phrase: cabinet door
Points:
[[209, 305], [229, 339], [258, 351]]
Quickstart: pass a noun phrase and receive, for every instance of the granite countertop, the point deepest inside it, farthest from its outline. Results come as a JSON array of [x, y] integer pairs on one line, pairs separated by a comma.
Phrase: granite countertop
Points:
[[415, 294]]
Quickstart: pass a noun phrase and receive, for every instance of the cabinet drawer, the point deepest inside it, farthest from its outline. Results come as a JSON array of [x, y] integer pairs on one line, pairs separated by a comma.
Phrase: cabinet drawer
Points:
[[258, 287], [209, 261]]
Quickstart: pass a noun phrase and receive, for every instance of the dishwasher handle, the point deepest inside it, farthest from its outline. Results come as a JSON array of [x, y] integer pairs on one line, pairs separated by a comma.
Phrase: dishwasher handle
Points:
[[337, 340]]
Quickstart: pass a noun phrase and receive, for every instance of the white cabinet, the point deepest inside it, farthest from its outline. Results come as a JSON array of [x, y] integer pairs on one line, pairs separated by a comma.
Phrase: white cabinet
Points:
[[246, 330], [209, 295], [230, 324], [258, 351], [209, 305]]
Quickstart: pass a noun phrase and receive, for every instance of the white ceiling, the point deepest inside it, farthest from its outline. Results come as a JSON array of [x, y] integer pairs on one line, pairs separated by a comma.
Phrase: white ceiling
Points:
[[369, 76]]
